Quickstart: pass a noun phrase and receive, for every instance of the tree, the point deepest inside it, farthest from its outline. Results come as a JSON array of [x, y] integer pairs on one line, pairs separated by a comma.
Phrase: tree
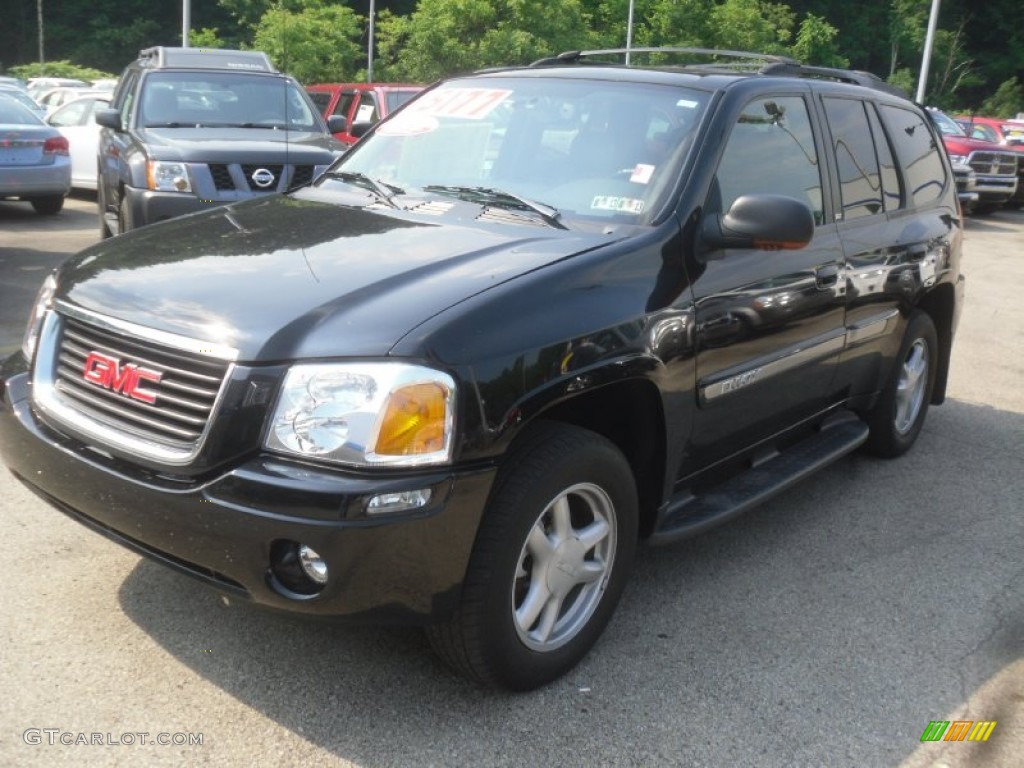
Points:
[[816, 43], [316, 42], [443, 37], [1007, 101]]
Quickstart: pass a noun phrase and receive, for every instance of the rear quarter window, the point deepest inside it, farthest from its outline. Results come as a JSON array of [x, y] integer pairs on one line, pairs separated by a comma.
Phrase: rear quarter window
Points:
[[918, 153]]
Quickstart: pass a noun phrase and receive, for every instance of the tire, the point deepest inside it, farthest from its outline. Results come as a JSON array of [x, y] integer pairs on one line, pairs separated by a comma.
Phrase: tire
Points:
[[48, 206], [899, 415], [101, 205], [124, 216], [550, 561]]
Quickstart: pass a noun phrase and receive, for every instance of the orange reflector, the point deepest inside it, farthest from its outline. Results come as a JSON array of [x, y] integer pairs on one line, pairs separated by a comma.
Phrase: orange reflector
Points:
[[414, 421]]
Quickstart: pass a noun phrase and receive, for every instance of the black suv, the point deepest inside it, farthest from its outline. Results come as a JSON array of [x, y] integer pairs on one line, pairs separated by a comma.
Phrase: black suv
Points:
[[535, 317], [189, 128]]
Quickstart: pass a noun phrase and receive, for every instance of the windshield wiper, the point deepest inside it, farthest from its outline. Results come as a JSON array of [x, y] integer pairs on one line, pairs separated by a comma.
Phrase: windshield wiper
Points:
[[501, 198], [382, 189]]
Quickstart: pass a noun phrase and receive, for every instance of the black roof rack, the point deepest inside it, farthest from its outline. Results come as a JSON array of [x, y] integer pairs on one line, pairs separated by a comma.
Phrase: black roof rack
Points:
[[733, 61], [579, 57], [855, 76]]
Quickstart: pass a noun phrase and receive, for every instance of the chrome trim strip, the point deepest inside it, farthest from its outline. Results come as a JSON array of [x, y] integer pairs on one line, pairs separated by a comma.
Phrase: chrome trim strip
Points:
[[47, 399], [869, 328], [195, 346], [734, 379]]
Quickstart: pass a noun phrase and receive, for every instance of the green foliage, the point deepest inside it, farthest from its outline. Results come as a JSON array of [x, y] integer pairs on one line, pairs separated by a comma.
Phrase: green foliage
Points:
[[205, 38], [816, 44], [316, 42], [443, 37], [904, 78], [751, 25], [59, 69], [1007, 101]]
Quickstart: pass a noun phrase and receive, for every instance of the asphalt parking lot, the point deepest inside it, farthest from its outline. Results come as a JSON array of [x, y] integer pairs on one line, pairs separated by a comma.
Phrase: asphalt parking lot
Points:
[[828, 627]]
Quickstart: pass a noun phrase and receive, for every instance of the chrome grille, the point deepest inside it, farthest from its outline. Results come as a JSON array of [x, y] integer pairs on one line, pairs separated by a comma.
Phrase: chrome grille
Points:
[[994, 163], [184, 396]]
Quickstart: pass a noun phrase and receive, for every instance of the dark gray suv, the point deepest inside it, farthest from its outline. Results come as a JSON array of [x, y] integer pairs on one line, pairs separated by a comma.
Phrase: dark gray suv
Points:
[[190, 128]]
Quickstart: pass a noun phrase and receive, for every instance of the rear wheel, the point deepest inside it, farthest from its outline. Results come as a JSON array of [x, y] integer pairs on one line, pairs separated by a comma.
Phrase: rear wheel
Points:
[[899, 415], [48, 206], [550, 561]]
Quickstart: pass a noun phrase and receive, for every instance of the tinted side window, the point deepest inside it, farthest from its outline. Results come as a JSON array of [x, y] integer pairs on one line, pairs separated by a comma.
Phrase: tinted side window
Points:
[[771, 150], [892, 192], [917, 152], [125, 96], [859, 178]]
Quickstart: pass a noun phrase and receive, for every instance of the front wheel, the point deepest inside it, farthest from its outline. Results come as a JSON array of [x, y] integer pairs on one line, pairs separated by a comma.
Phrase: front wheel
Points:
[[899, 415], [550, 561]]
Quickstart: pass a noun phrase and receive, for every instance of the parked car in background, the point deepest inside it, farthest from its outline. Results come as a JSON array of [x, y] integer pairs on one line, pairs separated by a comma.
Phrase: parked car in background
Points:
[[359, 103], [189, 129], [1008, 134], [21, 96], [34, 162], [996, 168], [1005, 132], [76, 121], [40, 85], [57, 97], [15, 82]]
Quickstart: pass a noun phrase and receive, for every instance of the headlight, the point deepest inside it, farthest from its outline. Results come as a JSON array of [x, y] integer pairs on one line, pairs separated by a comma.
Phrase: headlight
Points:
[[382, 414], [958, 159], [35, 320], [167, 177]]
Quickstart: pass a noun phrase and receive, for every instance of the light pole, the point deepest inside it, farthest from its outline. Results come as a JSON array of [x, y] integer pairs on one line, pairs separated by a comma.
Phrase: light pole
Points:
[[629, 31], [186, 21], [369, 44], [929, 41], [39, 20]]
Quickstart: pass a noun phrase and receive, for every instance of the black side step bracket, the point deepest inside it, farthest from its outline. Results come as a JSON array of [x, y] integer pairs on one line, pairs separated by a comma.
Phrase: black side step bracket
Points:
[[691, 515]]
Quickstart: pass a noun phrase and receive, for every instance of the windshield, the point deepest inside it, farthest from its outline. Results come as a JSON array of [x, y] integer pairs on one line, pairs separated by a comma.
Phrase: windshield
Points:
[[947, 126], [212, 99], [574, 147]]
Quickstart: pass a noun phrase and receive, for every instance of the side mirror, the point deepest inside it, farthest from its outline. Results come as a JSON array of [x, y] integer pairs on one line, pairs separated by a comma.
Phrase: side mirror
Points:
[[769, 222], [360, 128], [109, 118], [336, 123]]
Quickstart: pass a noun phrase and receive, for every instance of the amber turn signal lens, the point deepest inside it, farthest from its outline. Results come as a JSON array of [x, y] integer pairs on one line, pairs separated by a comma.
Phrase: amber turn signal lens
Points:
[[414, 421]]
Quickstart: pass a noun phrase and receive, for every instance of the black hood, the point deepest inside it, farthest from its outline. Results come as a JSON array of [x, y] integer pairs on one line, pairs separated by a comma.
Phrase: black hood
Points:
[[288, 277]]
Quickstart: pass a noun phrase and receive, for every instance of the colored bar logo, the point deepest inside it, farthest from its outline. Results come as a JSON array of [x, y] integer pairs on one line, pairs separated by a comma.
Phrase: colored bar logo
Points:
[[958, 730]]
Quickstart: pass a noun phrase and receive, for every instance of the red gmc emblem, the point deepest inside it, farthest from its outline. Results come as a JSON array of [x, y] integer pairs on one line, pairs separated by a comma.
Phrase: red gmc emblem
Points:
[[107, 372]]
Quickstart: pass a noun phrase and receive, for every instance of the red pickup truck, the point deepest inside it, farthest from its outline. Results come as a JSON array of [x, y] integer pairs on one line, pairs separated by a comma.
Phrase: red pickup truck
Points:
[[359, 102], [995, 167]]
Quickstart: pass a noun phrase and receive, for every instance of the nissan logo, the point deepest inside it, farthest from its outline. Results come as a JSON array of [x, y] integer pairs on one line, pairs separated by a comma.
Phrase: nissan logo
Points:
[[262, 178]]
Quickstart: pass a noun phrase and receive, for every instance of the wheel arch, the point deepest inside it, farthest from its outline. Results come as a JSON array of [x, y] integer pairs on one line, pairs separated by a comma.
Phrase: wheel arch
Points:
[[940, 305], [631, 415]]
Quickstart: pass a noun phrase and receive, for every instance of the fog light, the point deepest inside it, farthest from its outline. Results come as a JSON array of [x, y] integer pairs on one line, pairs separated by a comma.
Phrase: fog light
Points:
[[312, 564], [296, 570]]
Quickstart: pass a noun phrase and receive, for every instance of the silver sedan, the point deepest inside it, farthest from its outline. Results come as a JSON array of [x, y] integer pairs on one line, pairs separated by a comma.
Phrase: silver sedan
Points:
[[35, 165]]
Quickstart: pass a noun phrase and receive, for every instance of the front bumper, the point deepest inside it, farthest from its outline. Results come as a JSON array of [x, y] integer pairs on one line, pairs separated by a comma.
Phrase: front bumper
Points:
[[222, 529]]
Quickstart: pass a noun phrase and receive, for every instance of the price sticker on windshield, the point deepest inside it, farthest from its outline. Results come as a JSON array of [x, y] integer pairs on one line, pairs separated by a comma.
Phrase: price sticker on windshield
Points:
[[467, 103]]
